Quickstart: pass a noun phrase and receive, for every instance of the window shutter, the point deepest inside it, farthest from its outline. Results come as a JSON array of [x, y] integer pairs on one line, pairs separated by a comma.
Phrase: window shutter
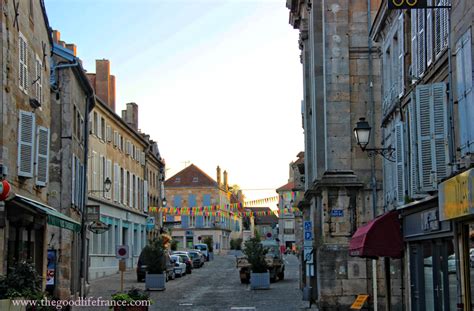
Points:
[[109, 133], [413, 137], [421, 40], [400, 158], [42, 156], [145, 196], [429, 34], [440, 128], [115, 194], [401, 56], [73, 180], [387, 167], [130, 190], [101, 174], [99, 126], [115, 138], [23, 63], [26, 141], [39, 80], [432, 132], [414, 44], [109, 176], [79, 183], [125, 181], [94, 170]]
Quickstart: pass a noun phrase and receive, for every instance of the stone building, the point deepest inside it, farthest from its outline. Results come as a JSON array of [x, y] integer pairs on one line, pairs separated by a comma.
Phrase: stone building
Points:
[[286, 218], [72, 99], [265, 222], [116, 153], [194, 189], [343, 189], [427, 118], [27, 223]]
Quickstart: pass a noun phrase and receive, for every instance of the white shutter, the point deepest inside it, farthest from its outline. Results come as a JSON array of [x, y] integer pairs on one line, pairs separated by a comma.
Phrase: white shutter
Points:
[[42, 156], [109, 176], [387, 168], [115, 138], [109, 133], [145, 196], [23, 63], [99, 126], [125, 190], [414, 44], [39, 80], [130, 190], [79, 183], [421, 41], [137, 191], [401, 56], [432, 132], [101, 174], [429, 34], [413, 137], [73, 179], [26, 141], [94, 171], [400, 163], [143, 158], [116, 184]]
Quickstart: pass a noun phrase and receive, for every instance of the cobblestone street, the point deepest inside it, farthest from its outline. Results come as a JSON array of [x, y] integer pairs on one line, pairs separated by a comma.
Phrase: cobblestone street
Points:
[[216, 286]]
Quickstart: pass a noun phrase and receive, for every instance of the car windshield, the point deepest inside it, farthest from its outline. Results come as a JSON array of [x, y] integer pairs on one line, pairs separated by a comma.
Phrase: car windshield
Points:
[[201, 247]]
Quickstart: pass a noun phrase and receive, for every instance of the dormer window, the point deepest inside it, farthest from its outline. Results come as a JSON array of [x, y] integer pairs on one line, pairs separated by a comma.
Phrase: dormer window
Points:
[[177, 180], [195, 179]]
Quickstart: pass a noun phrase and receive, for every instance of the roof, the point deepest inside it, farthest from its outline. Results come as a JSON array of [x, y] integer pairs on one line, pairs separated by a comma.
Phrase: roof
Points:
[[191, 176], [288, 187], [263, 220]]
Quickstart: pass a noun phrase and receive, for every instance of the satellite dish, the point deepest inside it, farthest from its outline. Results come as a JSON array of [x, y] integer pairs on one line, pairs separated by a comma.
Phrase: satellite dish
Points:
[[98, 227]]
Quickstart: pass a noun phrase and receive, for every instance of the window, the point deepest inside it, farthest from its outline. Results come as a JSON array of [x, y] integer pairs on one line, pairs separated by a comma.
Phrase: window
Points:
[[95, 121], [116, 186], [38, 82], [23, 63], [109, 133], [102, 129]]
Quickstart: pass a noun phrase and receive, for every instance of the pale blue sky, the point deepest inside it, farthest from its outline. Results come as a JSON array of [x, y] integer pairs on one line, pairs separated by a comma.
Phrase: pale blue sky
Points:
[[218, 82]]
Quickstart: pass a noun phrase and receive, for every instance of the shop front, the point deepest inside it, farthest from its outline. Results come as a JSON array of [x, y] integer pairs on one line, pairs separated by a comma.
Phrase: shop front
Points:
[[431, 257], [456, 204]]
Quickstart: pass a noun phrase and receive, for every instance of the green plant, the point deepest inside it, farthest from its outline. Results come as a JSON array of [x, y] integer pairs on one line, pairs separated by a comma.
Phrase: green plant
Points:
[[154, 256], [22, 280], [238, 244], [209, 242], [174, 245], [133, 294], [255, 253]]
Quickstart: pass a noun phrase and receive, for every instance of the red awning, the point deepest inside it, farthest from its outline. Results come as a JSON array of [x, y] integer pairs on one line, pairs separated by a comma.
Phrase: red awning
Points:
[[380, 237]]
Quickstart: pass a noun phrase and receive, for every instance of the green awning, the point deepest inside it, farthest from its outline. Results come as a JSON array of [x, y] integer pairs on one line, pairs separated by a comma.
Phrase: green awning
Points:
[[55, 218]]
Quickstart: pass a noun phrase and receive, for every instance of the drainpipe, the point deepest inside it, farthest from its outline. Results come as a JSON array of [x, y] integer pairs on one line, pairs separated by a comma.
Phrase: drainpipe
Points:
[[372, 161]]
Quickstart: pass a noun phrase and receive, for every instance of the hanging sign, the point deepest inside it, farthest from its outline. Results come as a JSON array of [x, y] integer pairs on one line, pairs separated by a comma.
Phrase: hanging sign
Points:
[[98, 227], [406, 4]]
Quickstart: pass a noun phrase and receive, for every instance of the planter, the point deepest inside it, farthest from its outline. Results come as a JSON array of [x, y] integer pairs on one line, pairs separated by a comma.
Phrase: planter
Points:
[[211, 256], [7, 305], [260, 280], [155, 281]]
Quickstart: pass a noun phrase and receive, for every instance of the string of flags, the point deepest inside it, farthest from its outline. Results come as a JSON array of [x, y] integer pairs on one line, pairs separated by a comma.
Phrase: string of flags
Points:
[[262, 201], [217, 211]]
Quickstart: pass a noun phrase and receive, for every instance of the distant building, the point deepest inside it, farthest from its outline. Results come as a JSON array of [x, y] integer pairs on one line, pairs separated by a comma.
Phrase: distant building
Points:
[[266, 224], [286, 221], [192, 188]]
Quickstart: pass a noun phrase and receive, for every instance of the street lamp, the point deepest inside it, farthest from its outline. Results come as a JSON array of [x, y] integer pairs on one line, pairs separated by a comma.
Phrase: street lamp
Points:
[[107, 186], [362, 135]]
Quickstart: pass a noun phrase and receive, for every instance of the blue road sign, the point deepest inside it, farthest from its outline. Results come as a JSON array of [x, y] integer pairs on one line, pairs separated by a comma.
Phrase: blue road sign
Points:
[[337, 213], [307, 226], [308, 235]]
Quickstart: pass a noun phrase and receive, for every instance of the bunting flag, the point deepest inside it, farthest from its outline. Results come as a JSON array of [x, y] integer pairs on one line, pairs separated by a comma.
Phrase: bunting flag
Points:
[[261, 201], [213, 210]]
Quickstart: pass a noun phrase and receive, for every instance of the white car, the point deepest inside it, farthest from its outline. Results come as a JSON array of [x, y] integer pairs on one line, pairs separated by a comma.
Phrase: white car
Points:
[[179, 265], [203, 249]]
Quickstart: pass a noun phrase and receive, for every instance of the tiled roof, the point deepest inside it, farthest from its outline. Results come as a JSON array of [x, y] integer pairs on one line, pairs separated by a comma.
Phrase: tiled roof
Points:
[[191, 176], [288, 187]]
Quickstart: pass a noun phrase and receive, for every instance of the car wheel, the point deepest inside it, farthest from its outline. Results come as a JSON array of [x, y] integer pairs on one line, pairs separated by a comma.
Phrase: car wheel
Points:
[[173, 275]]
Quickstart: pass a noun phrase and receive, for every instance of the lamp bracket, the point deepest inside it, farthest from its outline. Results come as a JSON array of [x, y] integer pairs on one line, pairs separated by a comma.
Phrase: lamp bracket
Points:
[[387, 153]]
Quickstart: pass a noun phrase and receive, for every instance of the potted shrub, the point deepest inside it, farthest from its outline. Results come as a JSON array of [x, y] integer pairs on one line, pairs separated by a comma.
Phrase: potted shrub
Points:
[[259, 274], [21, 282], [134, 294], [154, 257], [209, 242], [174, 245]]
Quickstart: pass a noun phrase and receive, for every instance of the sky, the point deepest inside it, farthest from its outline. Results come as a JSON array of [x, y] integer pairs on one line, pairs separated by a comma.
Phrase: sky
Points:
[[217, 82]]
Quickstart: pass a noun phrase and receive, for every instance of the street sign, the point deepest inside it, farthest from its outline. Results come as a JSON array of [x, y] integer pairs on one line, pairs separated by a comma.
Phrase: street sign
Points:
[[121, 251], [308, 235], [308, 254], [359, 302], [98, 227], [93, 212], [307, 226], [337, 213], [406, 4]]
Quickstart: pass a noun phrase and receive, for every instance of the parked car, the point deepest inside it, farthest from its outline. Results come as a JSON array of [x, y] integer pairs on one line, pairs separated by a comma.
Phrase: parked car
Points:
[[141, 268], [179, 265], [197, 257], [471, 257], [203, 248], [187, 260]]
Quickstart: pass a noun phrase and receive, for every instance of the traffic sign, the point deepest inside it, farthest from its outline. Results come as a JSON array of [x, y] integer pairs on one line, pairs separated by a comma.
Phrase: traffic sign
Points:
[[308, 254], [337, 213], [308, 235], [307, 226], [121, 251]]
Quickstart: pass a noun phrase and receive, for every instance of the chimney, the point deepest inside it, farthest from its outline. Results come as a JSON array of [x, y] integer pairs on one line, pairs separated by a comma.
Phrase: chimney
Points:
[[226, 186], [218, 176], [56, 36], [104, 83], [72, 47], [130, 115]]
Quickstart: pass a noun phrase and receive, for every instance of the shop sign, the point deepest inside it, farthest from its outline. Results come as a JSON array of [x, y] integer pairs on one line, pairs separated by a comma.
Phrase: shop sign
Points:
[[150, 223], [456, 196], [429, 221]]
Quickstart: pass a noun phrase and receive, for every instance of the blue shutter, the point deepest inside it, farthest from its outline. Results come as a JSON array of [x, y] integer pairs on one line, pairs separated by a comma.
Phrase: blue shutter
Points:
[[184, 221], [192, 200], [413, 145], [206, 200], [177, 201], [199, 221], [400, 162], [464, 81]]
